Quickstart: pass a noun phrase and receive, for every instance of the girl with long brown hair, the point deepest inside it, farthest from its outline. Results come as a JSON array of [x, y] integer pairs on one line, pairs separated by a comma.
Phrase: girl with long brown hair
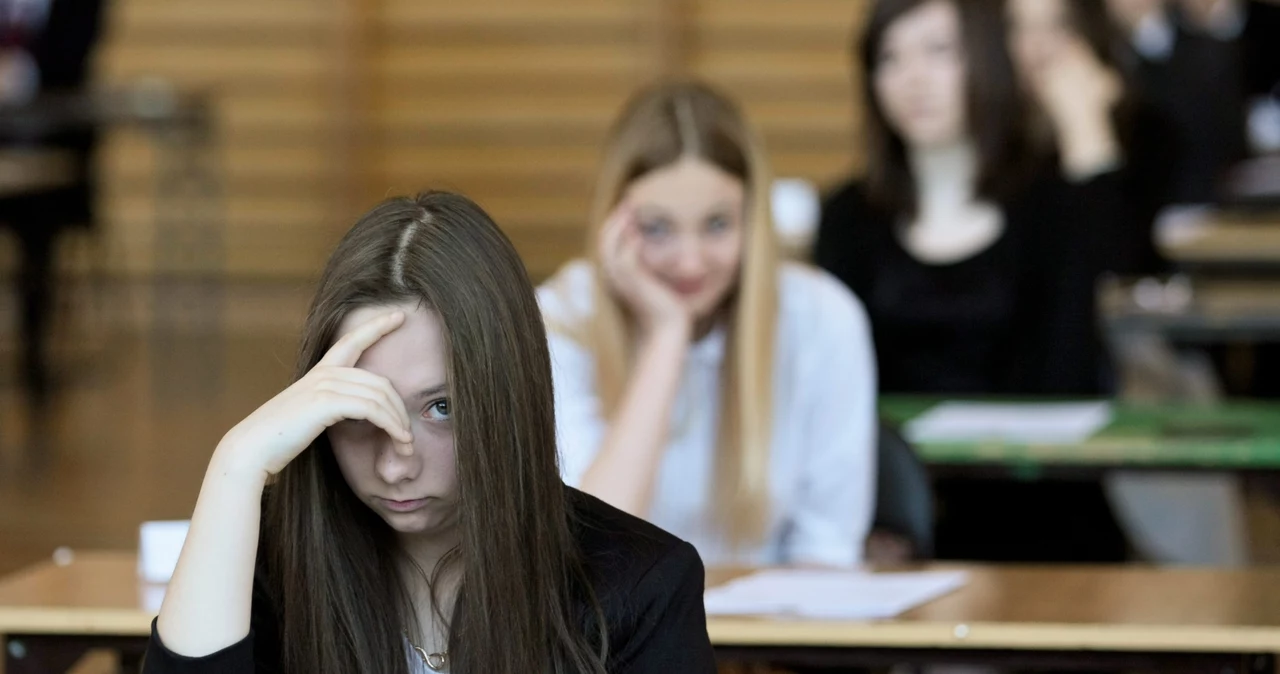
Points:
[[977, 264], [399, 507], [701, 383]]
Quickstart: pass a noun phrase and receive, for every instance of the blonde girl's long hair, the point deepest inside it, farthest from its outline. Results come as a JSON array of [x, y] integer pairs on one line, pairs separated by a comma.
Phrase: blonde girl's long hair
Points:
[[659, 126]]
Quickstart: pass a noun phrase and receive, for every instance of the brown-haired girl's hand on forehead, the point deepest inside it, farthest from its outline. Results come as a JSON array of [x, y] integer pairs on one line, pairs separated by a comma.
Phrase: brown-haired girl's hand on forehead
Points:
[[333, 391], [653, 304]]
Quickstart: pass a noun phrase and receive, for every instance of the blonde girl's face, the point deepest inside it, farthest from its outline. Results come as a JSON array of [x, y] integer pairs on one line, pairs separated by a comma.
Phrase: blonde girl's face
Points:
[[690, 215]]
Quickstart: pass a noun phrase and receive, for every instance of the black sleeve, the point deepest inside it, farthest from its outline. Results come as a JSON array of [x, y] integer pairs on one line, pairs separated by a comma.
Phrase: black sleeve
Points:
[[1120, 215], [237, 657], [839, 245], [1066, 227], [257, 653], [1111, 219], [667, 626]]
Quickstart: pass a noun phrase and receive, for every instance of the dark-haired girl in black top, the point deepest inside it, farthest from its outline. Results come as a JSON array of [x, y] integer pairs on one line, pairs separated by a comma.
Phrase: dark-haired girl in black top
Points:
[[977, 262]]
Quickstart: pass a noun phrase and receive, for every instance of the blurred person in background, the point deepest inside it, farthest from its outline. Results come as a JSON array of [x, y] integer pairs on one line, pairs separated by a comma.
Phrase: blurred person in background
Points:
[[700, 383], [45, 48], [976, 261], [1086, 112], [1211, 70], [1209, 73], [1080, 73]]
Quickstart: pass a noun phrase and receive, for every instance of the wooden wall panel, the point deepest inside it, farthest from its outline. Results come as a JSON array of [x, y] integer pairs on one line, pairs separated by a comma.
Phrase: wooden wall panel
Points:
[[789, 63], [508, 103], [325, 106], [267, 67]]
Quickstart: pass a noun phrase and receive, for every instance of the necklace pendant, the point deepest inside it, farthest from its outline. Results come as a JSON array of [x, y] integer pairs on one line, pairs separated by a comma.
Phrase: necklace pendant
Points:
[[436, 662]]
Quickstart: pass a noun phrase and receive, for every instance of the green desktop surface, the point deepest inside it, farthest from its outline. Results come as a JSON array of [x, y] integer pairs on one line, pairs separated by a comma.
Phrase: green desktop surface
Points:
[[1225, 436]]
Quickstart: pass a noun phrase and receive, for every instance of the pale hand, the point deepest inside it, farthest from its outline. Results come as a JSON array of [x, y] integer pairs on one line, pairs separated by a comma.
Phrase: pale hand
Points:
[[654, 305], [1078, 93], [333, 391]]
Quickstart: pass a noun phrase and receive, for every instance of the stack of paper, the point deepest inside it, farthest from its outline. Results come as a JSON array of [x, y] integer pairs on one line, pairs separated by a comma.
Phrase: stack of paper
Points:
[[848, 595], [1029, 423]]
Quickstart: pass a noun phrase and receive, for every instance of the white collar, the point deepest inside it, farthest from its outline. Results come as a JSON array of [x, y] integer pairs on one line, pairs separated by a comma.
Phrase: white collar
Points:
[[710, 349]]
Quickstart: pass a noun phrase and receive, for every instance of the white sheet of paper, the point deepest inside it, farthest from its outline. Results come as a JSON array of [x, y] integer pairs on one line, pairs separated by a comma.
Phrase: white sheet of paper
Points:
[[159, 545], [1046, 423], [830, 595]]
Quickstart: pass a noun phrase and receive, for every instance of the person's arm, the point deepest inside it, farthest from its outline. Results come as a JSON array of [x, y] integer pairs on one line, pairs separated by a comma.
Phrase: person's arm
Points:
[[833, 247], [1078, 94], [1058, 348], [836, 498], [624, 470], [212, 585], [259, 652], [207, 607], [667, 631]]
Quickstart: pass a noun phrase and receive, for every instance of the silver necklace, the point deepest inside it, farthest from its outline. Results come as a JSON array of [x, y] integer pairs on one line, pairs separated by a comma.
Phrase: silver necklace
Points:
[[436, 662]]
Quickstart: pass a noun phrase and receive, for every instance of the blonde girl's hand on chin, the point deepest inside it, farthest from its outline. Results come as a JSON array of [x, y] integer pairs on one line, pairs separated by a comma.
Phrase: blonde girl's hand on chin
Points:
[[655, 306]]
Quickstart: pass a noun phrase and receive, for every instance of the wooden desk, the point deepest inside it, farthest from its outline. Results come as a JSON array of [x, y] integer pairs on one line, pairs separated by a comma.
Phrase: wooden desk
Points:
[[1217, 310], [1052, 616], [1228, 240], [1173, 620], [1241, 437], [51, 615]]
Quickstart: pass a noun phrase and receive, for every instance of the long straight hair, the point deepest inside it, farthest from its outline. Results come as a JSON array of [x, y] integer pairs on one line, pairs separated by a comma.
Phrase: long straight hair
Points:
[[343, 603], [658, 127]]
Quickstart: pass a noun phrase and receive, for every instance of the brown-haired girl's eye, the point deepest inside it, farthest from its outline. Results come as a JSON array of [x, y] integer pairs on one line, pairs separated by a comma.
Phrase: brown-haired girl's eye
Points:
[[438, 410]]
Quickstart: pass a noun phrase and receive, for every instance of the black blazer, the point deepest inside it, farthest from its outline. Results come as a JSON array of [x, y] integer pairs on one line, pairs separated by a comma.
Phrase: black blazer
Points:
[[649, 584]]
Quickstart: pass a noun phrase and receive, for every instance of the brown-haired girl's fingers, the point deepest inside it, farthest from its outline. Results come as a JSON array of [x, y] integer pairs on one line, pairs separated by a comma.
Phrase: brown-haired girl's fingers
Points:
[[347, 350]]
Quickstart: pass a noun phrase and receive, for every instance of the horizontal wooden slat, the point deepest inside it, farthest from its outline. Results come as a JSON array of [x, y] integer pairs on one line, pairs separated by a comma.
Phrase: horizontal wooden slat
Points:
[[129, 159], [482, 187], [248, 213], [823, 169], [242, 14], [555, 61], [519, 214], [783, 17], [776, 64], [208, 64], [507, 23], [514, 160], [491, 12], [179, 22]]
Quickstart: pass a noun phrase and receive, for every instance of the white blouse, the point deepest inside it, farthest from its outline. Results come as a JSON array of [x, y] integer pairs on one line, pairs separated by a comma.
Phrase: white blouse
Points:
[[822, 477]]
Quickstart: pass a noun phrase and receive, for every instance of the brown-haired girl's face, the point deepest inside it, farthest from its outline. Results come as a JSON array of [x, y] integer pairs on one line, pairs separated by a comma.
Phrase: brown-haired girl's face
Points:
[[417, 493], [690, 217], [1039, 30], [920, 76]]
